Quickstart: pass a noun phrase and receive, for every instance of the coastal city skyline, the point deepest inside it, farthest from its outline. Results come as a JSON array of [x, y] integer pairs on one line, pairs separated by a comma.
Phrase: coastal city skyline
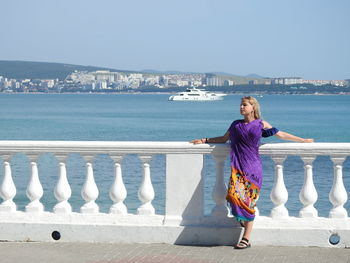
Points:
[[118, 81], [271, 38]]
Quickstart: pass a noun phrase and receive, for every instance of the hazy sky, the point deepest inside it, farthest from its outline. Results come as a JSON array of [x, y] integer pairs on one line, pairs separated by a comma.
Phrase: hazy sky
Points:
[[273, 38]]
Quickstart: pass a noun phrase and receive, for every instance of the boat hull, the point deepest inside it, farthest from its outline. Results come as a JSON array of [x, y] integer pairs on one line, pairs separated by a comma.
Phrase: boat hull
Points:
[[194, 94]]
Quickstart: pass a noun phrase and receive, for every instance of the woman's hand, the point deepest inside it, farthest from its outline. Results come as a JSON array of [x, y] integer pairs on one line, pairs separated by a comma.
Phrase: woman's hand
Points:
[[308, 140], [198, 141]]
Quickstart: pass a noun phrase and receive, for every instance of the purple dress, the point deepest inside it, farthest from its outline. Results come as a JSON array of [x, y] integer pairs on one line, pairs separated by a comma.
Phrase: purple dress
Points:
[[246, 168]]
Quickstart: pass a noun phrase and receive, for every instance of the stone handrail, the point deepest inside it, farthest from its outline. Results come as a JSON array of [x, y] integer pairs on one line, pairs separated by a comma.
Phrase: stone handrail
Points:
[[184, 186]]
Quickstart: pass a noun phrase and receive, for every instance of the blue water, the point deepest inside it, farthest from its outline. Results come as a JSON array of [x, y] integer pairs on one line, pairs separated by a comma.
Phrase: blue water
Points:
[[150, 117]]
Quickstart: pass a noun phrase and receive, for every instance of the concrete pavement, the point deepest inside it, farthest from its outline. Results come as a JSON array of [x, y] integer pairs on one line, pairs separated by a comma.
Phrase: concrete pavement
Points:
[[30, 252]]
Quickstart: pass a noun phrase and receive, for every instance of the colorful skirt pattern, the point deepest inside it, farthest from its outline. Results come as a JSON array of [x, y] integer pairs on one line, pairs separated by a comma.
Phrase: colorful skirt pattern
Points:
[[242, 196]]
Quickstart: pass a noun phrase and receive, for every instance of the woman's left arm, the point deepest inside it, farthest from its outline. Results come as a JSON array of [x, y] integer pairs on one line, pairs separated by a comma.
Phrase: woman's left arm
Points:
[[290, 137], [286, 136]]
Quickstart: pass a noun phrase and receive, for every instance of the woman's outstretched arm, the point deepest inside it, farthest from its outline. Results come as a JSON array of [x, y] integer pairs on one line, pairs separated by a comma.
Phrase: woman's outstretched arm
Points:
[[290, 137], [220, 139], [287, 136]]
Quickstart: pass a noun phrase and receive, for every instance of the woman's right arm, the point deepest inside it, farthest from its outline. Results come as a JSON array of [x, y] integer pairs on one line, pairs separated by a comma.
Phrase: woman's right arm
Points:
[[220, 139]]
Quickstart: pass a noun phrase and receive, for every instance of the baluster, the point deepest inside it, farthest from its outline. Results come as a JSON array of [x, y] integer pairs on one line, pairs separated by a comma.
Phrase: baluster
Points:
[[62, 189], [34, 190], [90, 191], [118, 191], [220, 189], [308, 194], [257, 212], [279, 193], [7, 188], [338, 195], [146, 192]]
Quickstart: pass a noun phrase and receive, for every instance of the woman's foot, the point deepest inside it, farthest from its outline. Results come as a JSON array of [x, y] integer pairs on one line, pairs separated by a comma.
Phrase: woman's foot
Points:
[[244, 243]]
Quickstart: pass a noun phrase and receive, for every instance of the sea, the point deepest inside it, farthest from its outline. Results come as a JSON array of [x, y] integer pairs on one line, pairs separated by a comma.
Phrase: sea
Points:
[[151, 117]]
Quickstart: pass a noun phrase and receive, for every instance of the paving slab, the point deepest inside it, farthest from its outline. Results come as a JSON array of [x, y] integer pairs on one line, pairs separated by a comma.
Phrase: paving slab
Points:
[[37, 252]]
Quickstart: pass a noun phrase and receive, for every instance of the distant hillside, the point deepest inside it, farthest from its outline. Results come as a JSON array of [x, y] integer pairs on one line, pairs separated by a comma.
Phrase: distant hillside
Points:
[[46, 70], [250, 76], [255, 76], [41, 70]]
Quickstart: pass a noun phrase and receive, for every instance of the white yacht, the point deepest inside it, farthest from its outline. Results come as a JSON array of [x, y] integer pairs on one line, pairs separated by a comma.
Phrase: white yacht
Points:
[[194, 94]]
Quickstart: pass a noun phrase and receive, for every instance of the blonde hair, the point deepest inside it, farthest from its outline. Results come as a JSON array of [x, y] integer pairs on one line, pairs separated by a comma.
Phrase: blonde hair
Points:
[[256, 106]]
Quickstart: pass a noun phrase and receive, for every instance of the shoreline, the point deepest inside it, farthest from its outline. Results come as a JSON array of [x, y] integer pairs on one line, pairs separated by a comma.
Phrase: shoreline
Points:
[[168, 93]]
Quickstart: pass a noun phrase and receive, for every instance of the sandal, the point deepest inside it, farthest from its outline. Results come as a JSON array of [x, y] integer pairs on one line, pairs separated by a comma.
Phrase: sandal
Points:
[[243, 244]]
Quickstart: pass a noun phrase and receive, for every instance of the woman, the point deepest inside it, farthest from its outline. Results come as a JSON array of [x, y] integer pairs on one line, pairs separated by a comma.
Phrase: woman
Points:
[[246, 168]]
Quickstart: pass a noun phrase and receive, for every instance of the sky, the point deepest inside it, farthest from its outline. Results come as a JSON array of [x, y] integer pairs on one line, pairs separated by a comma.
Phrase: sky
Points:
[[271, 38]]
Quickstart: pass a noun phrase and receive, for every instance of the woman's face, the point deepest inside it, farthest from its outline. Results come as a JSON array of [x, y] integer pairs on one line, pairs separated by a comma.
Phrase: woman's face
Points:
[[246, 108]]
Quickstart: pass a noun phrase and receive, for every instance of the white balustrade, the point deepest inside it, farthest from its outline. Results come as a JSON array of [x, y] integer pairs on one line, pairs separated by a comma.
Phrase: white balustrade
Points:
[[220, 209], [90, 191], [34, 190], [308, 194], [338, 195], [7, 188], [279, 193], [146, 191], [118, 191], [184, 178], [62, 189]]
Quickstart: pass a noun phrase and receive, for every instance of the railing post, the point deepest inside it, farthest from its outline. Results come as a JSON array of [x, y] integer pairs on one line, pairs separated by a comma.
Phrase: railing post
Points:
[[220, 209], [184, 203], [279, 193], [34, 190], [90, 191], [308, 194], [146, 191], [118, 191], [62, 189], [338, 195], [7, 188]]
